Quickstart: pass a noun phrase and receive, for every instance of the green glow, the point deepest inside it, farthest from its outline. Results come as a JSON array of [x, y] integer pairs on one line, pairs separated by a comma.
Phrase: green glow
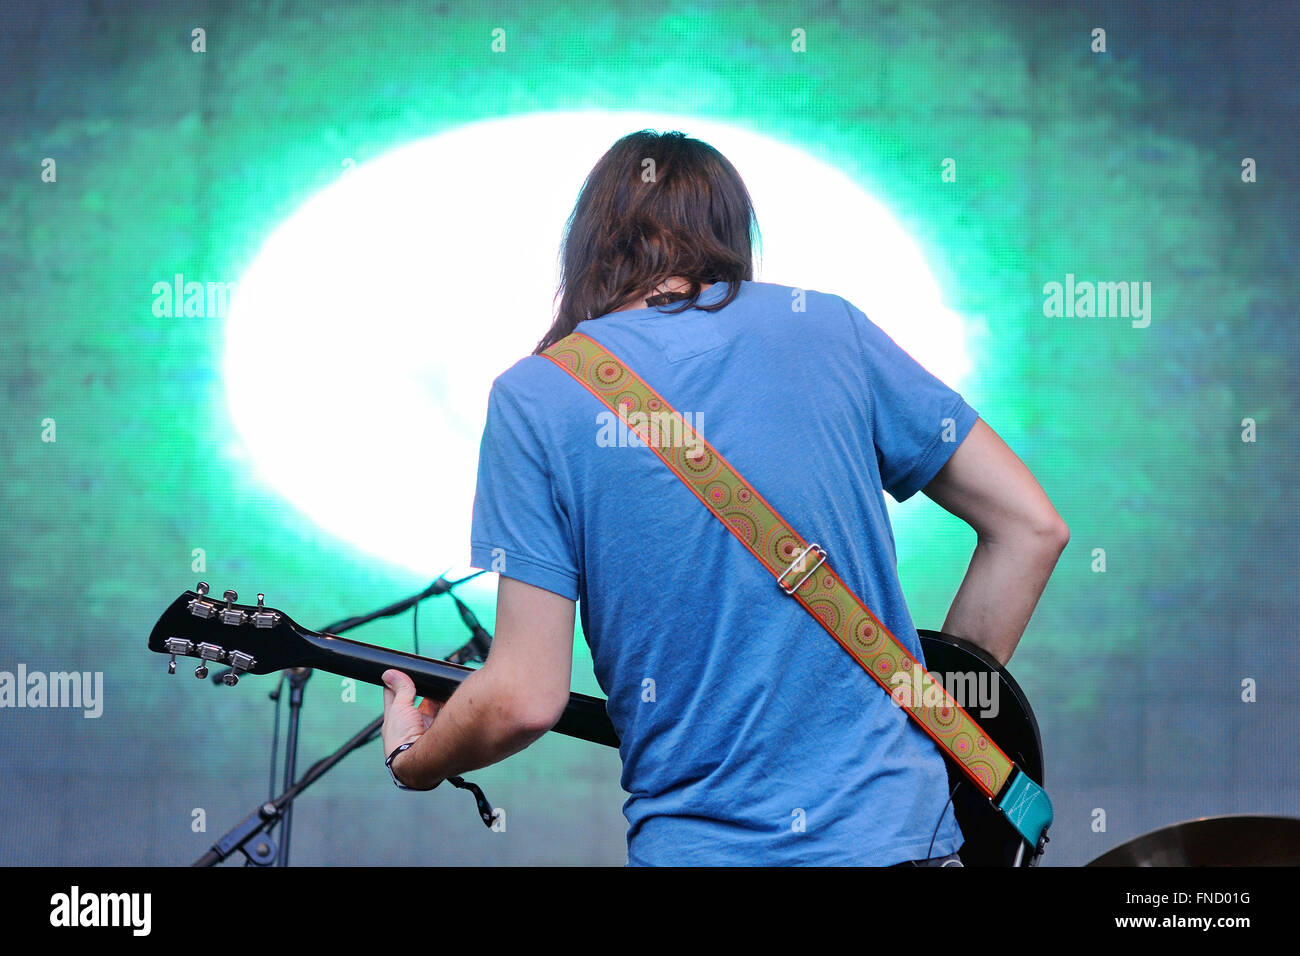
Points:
[[1067, 163]]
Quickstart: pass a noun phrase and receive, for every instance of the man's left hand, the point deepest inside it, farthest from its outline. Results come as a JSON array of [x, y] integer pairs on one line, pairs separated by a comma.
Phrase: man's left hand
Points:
[[404, 722]]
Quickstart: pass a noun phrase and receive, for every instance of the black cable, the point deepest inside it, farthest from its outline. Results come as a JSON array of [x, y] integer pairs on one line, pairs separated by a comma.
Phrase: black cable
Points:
[[415, 608], [468, 577], [942, 814], [372, 735]]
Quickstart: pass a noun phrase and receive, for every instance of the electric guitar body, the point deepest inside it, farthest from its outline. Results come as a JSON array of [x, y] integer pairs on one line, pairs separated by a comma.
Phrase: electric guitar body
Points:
[[1010, 723]]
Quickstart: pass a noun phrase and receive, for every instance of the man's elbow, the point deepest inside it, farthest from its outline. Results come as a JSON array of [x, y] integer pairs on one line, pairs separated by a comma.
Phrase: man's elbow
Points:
[[533, 715], [1052, 531], [1041, 533]]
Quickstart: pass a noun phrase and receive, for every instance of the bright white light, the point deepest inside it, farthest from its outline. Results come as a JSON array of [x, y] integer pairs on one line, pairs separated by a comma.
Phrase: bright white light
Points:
[[367, 332]]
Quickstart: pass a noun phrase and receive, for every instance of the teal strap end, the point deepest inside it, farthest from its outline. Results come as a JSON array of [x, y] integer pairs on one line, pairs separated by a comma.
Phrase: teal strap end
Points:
[[1026, 805]]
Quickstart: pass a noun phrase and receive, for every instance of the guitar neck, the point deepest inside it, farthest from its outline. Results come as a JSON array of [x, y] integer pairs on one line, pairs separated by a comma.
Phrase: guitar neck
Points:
[[584, 717]]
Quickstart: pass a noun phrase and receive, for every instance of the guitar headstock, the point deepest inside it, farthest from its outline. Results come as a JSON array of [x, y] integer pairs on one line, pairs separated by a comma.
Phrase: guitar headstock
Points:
[[249, 639]]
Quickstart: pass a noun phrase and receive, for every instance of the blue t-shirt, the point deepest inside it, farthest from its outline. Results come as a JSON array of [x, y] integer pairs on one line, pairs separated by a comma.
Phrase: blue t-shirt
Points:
[[749, 736]]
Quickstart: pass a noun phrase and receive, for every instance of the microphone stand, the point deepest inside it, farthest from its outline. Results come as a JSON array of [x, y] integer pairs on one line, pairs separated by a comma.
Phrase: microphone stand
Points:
[[297, 684], [265, 816], [280, 808]]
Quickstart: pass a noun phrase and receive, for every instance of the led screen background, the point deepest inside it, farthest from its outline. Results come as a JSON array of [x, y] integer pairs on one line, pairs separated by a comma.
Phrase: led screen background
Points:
[[1116, 166]]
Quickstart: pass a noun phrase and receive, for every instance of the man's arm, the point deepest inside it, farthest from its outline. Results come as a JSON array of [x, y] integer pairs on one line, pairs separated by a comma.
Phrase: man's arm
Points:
[[1020, 536], [513, 699]]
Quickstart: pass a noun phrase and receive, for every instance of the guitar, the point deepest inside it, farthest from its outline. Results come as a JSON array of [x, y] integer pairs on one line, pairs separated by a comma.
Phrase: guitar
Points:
[[990, 839], [255, 639]]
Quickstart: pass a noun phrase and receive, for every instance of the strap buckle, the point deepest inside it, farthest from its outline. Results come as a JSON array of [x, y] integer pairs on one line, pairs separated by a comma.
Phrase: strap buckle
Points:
[[797, 564]]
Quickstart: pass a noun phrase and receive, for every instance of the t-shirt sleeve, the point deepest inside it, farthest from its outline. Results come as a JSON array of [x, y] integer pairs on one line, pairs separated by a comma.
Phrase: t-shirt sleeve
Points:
[[917, 421], [519, 528]]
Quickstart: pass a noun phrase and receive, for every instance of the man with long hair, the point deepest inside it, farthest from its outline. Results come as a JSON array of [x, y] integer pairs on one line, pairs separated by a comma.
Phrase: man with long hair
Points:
[[747, 735]]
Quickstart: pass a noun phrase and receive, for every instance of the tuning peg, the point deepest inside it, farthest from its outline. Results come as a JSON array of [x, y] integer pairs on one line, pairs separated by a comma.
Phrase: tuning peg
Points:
[[239, 664], [231, 614], [263, 617], [208, 652], [200, 607], [174, 646]]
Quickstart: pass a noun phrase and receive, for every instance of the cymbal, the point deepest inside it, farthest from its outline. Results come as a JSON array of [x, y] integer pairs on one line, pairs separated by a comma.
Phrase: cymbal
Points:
[[1233, 840]]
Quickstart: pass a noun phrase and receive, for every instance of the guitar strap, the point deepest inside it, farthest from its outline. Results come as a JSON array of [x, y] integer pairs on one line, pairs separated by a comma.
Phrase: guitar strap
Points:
[[803, 572]]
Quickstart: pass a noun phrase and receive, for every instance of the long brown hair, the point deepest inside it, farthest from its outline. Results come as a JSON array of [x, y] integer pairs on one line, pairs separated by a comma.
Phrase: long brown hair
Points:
[[656, 205]]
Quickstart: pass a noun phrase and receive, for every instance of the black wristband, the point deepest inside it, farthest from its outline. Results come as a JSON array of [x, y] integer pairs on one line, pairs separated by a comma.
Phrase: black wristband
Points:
[[389, 764]]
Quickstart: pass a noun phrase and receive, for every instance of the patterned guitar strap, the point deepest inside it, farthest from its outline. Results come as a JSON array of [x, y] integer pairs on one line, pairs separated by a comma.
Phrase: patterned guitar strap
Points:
[[802, 572]]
